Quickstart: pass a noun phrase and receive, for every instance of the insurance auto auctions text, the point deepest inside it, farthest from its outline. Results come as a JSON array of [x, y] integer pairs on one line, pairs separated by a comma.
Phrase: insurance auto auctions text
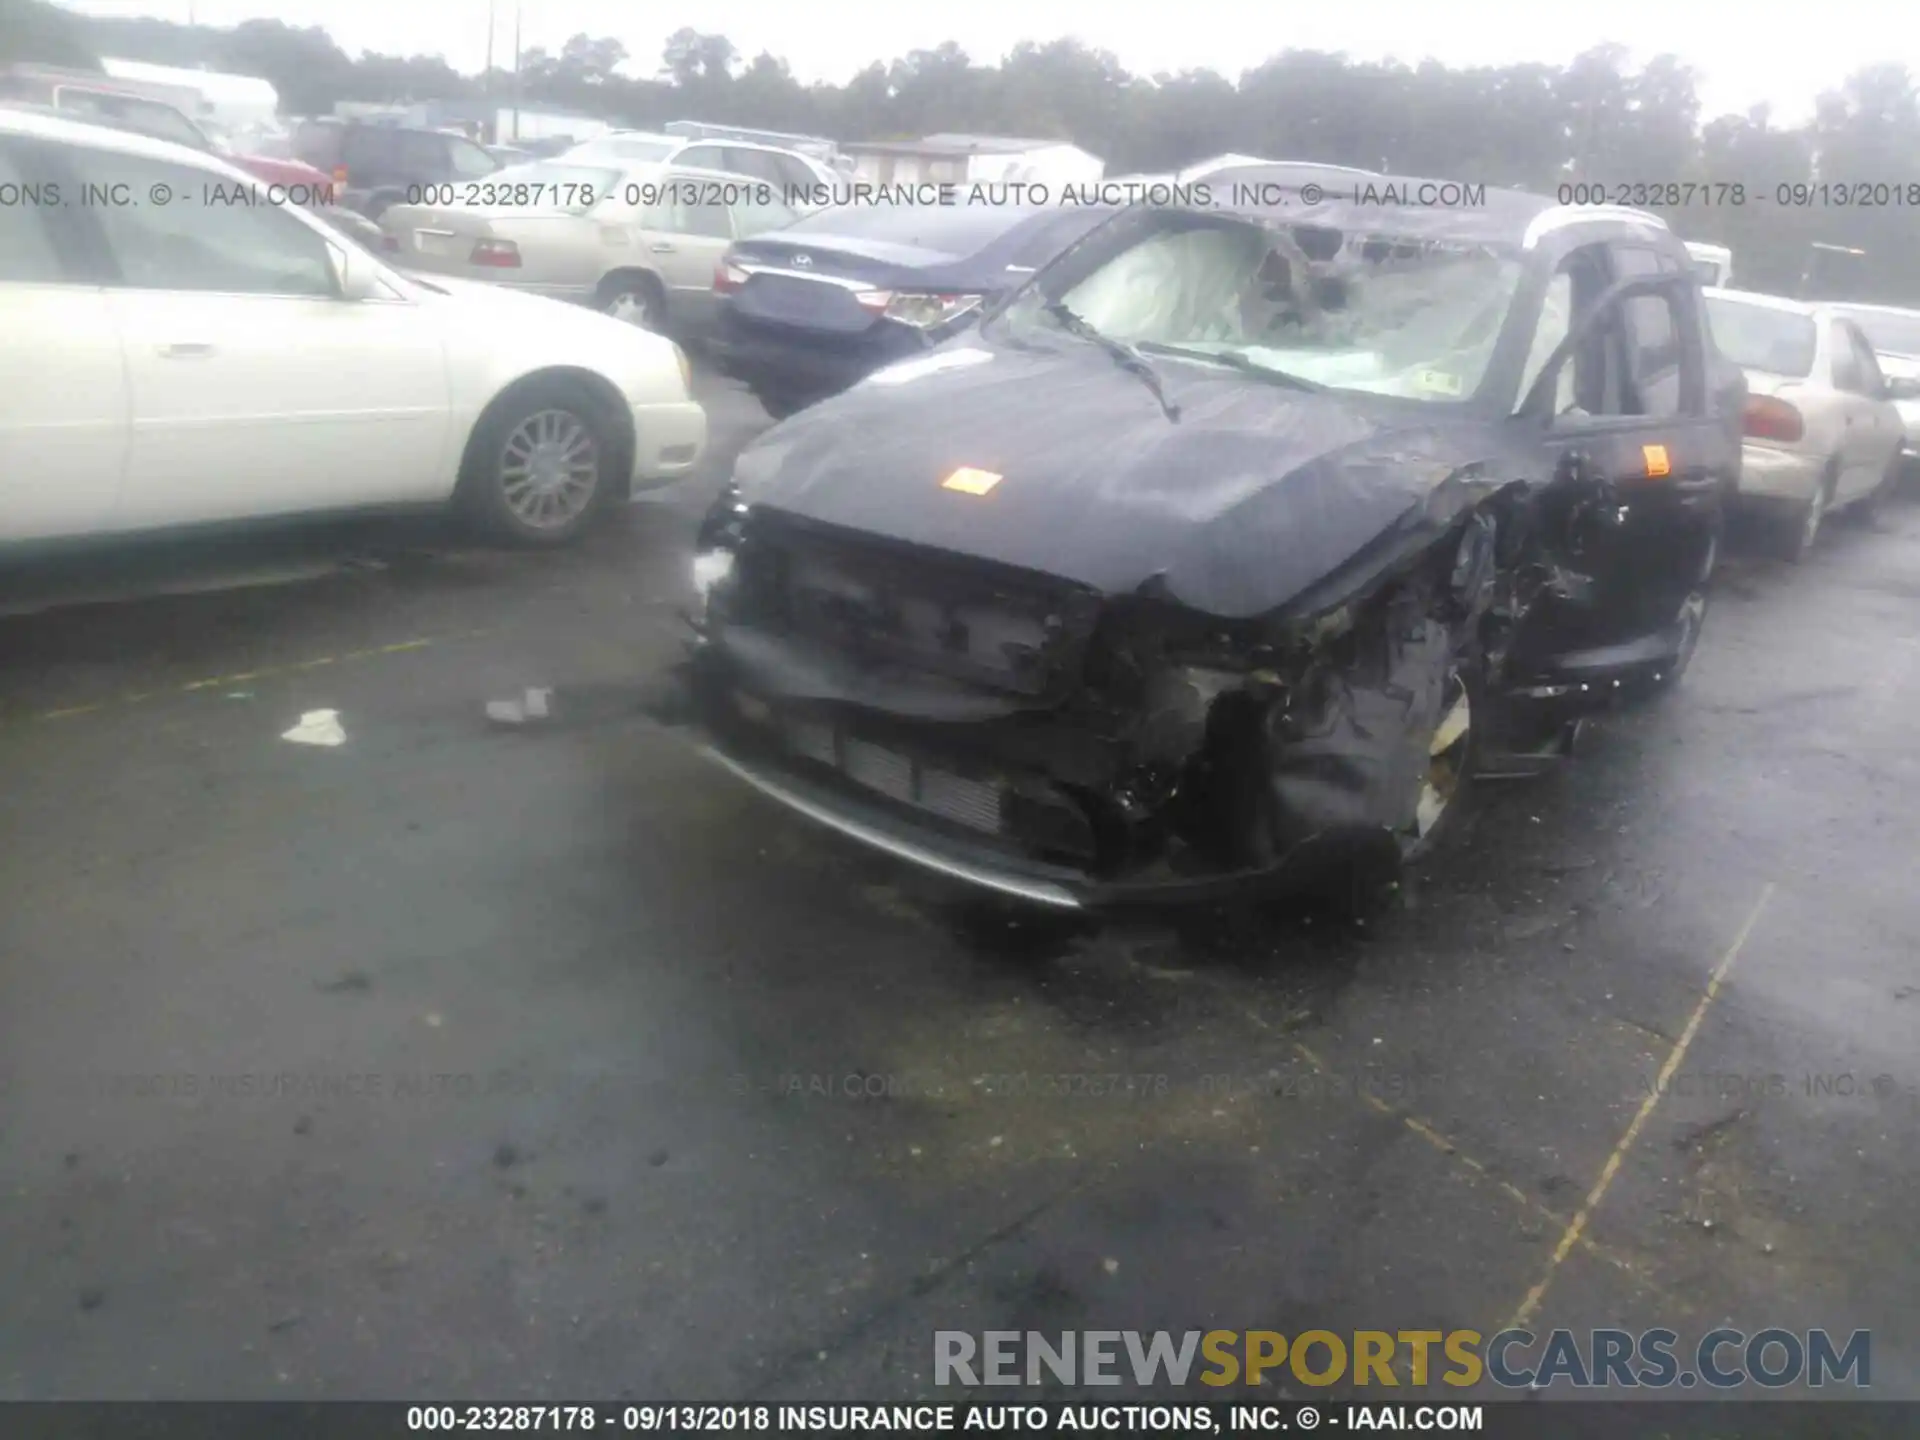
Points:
[[1200, 194]]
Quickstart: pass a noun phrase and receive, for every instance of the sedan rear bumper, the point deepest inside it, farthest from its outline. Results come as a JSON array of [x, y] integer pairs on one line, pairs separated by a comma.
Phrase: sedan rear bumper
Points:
[[797, 362], [1769, 474]]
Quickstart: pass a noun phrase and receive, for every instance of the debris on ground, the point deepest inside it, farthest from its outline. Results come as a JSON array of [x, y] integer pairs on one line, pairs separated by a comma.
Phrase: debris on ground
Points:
[[532, 705], [317, 727]]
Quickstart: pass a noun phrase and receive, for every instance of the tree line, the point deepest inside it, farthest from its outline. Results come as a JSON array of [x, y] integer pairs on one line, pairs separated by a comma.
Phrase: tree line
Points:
[[1849, 177]]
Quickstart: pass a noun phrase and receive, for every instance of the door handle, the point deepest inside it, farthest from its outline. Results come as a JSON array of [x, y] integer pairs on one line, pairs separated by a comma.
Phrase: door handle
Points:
[[187, 350], [660, 247]]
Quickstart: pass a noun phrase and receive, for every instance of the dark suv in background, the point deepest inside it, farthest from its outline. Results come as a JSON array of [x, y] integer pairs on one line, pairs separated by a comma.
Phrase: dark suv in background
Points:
[[373, 164], [815, 307]]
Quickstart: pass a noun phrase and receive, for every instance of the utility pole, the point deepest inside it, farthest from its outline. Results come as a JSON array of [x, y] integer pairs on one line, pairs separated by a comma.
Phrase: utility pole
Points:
[[486, 82], [516, 70]]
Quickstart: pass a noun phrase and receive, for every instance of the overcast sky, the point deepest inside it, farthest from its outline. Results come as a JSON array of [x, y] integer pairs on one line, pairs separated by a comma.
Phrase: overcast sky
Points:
[[1741, 52]]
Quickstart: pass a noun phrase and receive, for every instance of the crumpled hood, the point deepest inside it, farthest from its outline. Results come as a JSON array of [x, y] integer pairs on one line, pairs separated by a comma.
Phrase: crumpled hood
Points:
[[1255, 495]]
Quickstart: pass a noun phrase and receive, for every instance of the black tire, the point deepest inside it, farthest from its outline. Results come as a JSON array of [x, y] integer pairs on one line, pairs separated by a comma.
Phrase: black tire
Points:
[[635, 297], [517, 442], [1792, 536]]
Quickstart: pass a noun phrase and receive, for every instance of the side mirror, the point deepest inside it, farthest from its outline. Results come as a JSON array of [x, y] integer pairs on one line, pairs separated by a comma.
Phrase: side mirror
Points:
[[353, 273], [1903, 387]]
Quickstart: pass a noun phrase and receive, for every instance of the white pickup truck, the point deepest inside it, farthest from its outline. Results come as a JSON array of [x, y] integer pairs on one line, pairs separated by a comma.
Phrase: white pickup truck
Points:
[[1712, 263]]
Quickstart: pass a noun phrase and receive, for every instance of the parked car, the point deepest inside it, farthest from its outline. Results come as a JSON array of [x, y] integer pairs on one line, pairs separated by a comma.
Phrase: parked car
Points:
[[814, 307], [375, 164], [509, 155], [1895, 337], [1821, 433], [1712, 263], [1229, 544], [792, 174], [98, 100], [200, 362], [639, 244]]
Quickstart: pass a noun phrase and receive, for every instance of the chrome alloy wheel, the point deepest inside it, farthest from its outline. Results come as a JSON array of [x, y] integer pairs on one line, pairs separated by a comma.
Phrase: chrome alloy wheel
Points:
[[634, 307], [549, 469]]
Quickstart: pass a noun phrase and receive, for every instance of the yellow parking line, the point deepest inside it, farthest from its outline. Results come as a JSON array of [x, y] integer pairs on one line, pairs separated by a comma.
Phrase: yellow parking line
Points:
[[1452, 1151], [266, 672], [1576, 1228]]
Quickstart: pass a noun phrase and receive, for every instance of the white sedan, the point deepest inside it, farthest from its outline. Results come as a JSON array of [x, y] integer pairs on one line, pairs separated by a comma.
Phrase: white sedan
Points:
[[181, 349], [1821, 432]]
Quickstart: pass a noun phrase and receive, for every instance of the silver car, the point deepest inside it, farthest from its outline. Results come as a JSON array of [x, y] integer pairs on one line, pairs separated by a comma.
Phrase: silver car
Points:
[[1895, 337], [640, 244], [1821, 432]]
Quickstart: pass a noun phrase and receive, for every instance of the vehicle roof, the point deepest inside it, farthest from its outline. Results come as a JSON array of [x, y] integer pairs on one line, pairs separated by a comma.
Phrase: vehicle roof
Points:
[[369, 122], [1846, 306], [1763, 302], [1518, 218], [40, 123]]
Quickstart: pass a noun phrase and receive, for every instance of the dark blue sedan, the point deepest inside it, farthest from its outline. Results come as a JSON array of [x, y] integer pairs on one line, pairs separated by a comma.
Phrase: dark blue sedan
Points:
[[813, 308]]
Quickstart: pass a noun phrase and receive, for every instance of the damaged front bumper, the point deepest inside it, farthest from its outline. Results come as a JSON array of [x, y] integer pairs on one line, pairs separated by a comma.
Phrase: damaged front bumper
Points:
[[996, 870]]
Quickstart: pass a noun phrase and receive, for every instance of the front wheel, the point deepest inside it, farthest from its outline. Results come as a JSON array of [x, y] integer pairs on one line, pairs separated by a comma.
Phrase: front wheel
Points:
[[540, 466]]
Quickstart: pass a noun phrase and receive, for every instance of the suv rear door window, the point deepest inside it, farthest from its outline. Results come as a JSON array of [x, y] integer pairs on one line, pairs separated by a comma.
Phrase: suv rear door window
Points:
[[756, 164], [470, 161], [420, 155], [318, 144]]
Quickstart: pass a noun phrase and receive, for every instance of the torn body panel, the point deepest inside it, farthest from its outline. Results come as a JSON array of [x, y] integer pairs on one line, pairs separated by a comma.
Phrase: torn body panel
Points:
[[1198, 633]]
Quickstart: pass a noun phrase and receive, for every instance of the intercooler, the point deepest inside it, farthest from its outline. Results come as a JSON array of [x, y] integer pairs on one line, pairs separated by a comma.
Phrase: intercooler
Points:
[[975, 804]]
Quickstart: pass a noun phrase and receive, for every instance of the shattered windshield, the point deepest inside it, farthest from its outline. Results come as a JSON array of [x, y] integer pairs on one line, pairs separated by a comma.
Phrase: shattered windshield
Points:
[[1348, 311]]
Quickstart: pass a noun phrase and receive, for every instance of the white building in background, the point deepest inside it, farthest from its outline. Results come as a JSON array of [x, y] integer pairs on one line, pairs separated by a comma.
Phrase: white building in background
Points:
[[973, 159]]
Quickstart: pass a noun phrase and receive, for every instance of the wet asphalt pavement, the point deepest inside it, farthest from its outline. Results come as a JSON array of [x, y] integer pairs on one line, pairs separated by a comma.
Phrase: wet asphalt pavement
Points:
[[546, 1063]]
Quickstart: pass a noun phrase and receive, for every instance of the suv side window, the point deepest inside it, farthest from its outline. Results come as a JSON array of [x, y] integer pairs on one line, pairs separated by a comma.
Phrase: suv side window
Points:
[[418, 154], [470, 162], [754, 164], [1652, 334], [1846, 364], [318, 144], [795, 176], [190, 245], [362, 153], [1589, 379], [28, 255], [702, 157]]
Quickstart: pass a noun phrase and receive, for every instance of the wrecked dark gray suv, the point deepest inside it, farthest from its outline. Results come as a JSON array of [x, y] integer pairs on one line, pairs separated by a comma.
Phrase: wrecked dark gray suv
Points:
[[1232, 541]]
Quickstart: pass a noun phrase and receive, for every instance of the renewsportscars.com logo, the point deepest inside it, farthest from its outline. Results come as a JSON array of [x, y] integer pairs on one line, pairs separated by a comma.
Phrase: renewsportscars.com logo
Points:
[[1722, 1359]]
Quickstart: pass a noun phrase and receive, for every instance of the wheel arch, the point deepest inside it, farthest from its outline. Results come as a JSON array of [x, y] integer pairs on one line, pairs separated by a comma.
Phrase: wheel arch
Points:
[[605, 397]]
